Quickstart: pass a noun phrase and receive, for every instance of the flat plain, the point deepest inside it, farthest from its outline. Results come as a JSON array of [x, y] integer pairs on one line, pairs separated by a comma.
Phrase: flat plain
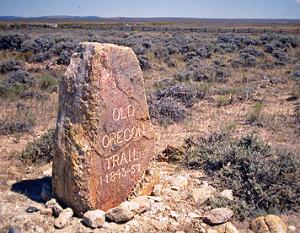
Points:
[[209, 92]]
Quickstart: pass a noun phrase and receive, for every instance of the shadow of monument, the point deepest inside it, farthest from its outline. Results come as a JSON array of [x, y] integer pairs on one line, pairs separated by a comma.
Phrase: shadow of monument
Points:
[[33, 188]]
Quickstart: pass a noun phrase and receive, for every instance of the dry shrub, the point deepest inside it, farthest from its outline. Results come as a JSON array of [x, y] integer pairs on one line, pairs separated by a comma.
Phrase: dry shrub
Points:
[[166, 111], [39, 151], [170, 102], [262, 178]]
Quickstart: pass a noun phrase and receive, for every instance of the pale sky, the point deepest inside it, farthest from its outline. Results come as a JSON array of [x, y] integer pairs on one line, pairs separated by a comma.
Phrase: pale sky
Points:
[[284, 9]]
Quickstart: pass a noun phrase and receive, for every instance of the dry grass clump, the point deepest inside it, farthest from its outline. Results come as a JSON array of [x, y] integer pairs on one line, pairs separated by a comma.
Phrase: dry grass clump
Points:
[[21, 121]]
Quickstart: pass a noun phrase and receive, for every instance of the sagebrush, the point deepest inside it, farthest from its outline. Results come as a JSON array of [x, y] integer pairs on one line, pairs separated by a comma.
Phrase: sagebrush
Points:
[[262, 178], [39, 151]]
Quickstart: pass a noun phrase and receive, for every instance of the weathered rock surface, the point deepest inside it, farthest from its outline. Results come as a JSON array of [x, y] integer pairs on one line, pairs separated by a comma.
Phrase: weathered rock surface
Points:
[[202, 194], [49, 204], [230, 228], [111, 227], [64, 218], [228, 194], [144, 203], [149, 184], [211, 231], [157, 190], [104, 138], [94, 218], [217, 216], [128, 209], [292, 228], [227, 228], [56, 210], [123, 212], [54, 206], [268, 224], [178, 181]]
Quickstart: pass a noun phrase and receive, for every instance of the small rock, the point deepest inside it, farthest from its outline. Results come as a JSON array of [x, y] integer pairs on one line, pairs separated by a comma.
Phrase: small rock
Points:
[[157, 190], [227, 193], [94, 218], [46, 193], [144, 203], [292, 228], [50, 203], [64, 218], [46, 211], [202, 230], [224, 228], [210, 230], [268, 224], [131, 205], [178, 181], [230, 228], [174, 214], [111, 227], [148, 186], [259, 225], [202, 194], [57, 210], [32, 209], [122, 213], [194, 215], [217, 216]]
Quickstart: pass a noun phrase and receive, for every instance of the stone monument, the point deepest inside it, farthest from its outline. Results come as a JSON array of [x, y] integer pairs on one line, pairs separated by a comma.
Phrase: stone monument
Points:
[[104, 138]]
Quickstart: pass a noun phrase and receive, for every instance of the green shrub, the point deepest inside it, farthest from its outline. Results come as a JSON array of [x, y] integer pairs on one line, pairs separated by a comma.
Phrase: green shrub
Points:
[[229, 91], [255, 116], [39, 151], [228, 127], [262, 178], [12, 91], [47, 81], [224, 100]]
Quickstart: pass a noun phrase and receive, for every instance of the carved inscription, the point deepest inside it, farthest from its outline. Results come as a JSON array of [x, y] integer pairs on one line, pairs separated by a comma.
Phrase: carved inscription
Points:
[[117, 165], [124, 135], [121, 114], [125, 162]]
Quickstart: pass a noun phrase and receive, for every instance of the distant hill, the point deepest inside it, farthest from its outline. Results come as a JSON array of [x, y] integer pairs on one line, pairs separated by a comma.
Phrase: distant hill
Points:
[[9, 18], [67, 18]]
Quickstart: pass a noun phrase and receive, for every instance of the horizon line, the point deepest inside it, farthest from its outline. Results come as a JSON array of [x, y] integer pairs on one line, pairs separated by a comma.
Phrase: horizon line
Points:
[[137, 17]]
